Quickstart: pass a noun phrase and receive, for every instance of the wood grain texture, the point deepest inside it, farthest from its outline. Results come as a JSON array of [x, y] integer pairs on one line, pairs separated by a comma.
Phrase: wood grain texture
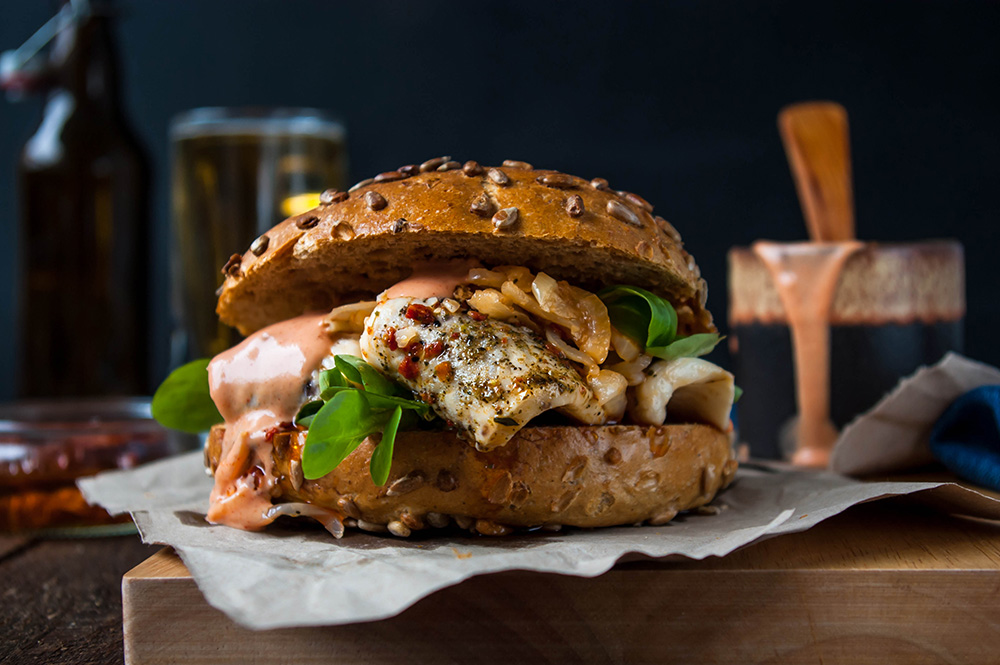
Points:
[[882, 283], [62, 599], [880, 583], [815, 135]]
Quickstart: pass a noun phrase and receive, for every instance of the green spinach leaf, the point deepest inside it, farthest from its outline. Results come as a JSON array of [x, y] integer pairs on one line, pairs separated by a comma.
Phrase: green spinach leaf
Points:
[[363, 375], [336, 430], [382, 455], [643, 316], [307, 411], [355, 402], [652, 322], [692, 346], [183, 402]]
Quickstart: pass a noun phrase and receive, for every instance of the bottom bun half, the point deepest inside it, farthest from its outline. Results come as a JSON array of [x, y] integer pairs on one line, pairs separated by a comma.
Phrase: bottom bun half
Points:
[[545, 476]]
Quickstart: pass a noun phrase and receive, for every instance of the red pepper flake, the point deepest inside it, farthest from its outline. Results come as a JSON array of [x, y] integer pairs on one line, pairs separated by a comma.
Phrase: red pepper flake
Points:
[[408, 368], [414, 347], [443, 370], [420, 313], [389, 337], [455, 335], [554, 350], [434, 349], [477, 316]]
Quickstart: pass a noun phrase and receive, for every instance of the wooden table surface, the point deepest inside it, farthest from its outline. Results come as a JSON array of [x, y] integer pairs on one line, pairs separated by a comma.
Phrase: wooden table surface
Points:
[[886, 579], [61, 599]]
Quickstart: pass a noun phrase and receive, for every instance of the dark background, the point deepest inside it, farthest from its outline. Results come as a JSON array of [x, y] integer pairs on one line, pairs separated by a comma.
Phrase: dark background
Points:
[[675, 101]]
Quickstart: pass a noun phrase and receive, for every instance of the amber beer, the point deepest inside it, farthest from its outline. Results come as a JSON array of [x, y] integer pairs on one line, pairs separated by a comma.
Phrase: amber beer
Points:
[[895, 307], [236, 173]]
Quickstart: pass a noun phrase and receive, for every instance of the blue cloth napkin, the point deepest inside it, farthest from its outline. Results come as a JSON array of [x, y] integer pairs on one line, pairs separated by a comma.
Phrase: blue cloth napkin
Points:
[[966, 438]]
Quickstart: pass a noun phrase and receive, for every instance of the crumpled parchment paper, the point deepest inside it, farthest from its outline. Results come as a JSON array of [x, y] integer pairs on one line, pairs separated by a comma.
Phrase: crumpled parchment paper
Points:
[[894, 435], [293, 575]]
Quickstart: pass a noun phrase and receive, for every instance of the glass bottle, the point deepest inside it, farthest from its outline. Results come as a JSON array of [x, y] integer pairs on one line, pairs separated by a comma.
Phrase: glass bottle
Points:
[[83, 182]]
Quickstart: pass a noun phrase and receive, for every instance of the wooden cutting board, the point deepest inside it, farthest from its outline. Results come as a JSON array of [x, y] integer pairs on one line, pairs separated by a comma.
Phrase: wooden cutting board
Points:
[[882, 582]]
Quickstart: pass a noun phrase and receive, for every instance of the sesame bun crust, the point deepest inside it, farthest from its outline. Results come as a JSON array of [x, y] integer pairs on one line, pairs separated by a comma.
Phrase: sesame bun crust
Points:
[[356, 244], [545, 476]]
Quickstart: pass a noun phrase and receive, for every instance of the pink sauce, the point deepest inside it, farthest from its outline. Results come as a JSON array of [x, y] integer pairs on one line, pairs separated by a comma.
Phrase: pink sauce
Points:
[[805, 276], [433, 279], [257, 385]]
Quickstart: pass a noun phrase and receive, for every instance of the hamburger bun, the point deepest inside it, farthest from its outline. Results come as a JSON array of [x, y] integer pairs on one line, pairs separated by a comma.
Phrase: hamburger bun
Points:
[[356, 244], [545, 476], [366, 240]]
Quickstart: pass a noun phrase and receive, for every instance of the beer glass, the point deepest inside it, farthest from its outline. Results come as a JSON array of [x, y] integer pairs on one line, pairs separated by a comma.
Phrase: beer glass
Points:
[[235, 174]]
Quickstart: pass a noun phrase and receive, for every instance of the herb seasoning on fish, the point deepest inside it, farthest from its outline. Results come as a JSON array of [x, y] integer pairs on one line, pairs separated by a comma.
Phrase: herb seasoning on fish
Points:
[[498, 377]]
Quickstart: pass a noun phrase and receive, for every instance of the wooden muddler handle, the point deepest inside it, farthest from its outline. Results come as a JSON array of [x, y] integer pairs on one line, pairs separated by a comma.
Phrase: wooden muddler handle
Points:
[[816, 142]]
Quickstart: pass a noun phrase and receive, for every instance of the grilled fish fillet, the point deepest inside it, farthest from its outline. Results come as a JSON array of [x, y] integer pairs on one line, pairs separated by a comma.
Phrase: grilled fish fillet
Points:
[[486, 377]]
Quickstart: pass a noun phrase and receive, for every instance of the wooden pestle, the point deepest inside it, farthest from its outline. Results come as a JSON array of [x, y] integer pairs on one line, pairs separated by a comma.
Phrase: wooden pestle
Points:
[[806, 275], [815, 136]]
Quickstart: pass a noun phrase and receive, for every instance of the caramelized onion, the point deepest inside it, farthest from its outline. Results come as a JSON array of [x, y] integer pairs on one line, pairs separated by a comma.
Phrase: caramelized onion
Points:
[[527, 302], [553, 297], [626, 347], [331, 520], [489, 278], [610, 389], [596, 341], [519, 275], [350, 317], [493, 304], [524, 319], [589, 324], [633, 370], [575, 355]]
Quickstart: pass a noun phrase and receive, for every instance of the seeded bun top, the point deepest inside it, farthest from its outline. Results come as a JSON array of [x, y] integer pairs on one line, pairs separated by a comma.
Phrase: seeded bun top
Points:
[[357, 243]]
